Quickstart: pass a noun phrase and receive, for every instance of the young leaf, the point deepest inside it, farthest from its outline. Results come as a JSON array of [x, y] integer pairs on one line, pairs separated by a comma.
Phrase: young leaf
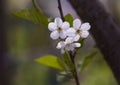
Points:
[[87, 60], [69, 18], [32, 15], [50, 60], [67, 61]]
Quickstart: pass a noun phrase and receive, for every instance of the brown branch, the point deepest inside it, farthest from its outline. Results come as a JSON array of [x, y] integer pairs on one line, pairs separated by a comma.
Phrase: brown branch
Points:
[[104, 30], [75, 71], [3, 45], [60, 10], [7, 64]]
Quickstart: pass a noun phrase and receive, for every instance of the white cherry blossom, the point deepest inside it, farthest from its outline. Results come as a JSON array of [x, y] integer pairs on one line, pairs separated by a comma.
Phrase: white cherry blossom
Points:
[[60, 45], [78, 30], [69, 35], [72, 46], [58, 28], [68, 44]]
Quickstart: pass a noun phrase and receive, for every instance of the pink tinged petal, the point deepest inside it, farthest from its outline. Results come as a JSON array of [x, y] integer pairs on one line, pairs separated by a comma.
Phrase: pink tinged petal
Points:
[[85, 26], [60, 45], [76, 23], [62, 34], [69, 40], [84, 34], [54, 35], [65, 25], [52, 26], [77, 37], [77, 44], [70, 32], [58, 21]]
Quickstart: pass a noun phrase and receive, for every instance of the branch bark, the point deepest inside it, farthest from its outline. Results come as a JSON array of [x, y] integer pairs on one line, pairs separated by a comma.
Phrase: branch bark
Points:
[[6, 67], [104, 30], [3, 75]]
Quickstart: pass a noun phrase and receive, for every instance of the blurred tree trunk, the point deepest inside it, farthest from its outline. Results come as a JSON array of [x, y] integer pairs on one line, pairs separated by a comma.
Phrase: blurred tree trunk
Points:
[[104, 30], [4, 77]]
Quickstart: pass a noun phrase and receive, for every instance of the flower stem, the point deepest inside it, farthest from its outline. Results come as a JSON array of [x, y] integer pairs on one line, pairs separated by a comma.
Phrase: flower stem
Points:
[[75, 71], [60, 10], [76, 75], [34, 5]]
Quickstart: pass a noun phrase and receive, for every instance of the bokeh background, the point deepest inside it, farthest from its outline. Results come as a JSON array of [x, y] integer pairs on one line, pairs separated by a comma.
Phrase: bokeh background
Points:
[[27, 41]]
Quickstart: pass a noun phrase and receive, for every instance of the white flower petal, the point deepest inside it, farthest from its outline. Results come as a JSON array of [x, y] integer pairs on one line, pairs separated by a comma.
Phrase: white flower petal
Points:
[[65, 25], [85, 26], [70, 32], [76, 23], [52, 26], [69, 47], [84, 34], [77, 37], [69, 40], [62, 34], [60, 45], [54, 35], [58, 21], [77, 44]]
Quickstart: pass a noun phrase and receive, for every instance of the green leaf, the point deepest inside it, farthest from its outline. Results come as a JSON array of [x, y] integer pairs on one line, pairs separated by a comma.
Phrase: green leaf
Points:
[[87, 60], [50, 60], [67, 60], [33, 15], [69, 18]]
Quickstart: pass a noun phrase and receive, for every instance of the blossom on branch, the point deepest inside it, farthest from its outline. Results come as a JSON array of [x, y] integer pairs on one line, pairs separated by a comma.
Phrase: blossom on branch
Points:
[[69, 36], [58, 28], [78, 30], [68, 44]]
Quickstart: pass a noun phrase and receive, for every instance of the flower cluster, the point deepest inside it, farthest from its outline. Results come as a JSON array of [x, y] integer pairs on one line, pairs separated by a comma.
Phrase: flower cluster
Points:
[[69, 36]]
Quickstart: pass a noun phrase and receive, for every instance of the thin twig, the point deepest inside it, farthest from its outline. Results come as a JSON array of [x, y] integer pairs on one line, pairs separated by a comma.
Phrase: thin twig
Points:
[[75, 72], [34, 5], [60, 10]]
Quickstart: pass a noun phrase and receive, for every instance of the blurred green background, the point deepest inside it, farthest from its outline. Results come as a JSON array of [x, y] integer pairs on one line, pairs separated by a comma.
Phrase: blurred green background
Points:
[[27, 41]]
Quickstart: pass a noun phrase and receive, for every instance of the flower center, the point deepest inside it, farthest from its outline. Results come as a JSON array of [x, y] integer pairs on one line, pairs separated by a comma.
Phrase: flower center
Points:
[[78, 31], [59, 28], [67, 45]]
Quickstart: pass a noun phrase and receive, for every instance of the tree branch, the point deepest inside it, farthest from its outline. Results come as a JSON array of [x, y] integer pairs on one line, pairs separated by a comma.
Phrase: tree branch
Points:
[[75, 71], [7, 64], [104, 30], [60, 10], [4, 80]]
